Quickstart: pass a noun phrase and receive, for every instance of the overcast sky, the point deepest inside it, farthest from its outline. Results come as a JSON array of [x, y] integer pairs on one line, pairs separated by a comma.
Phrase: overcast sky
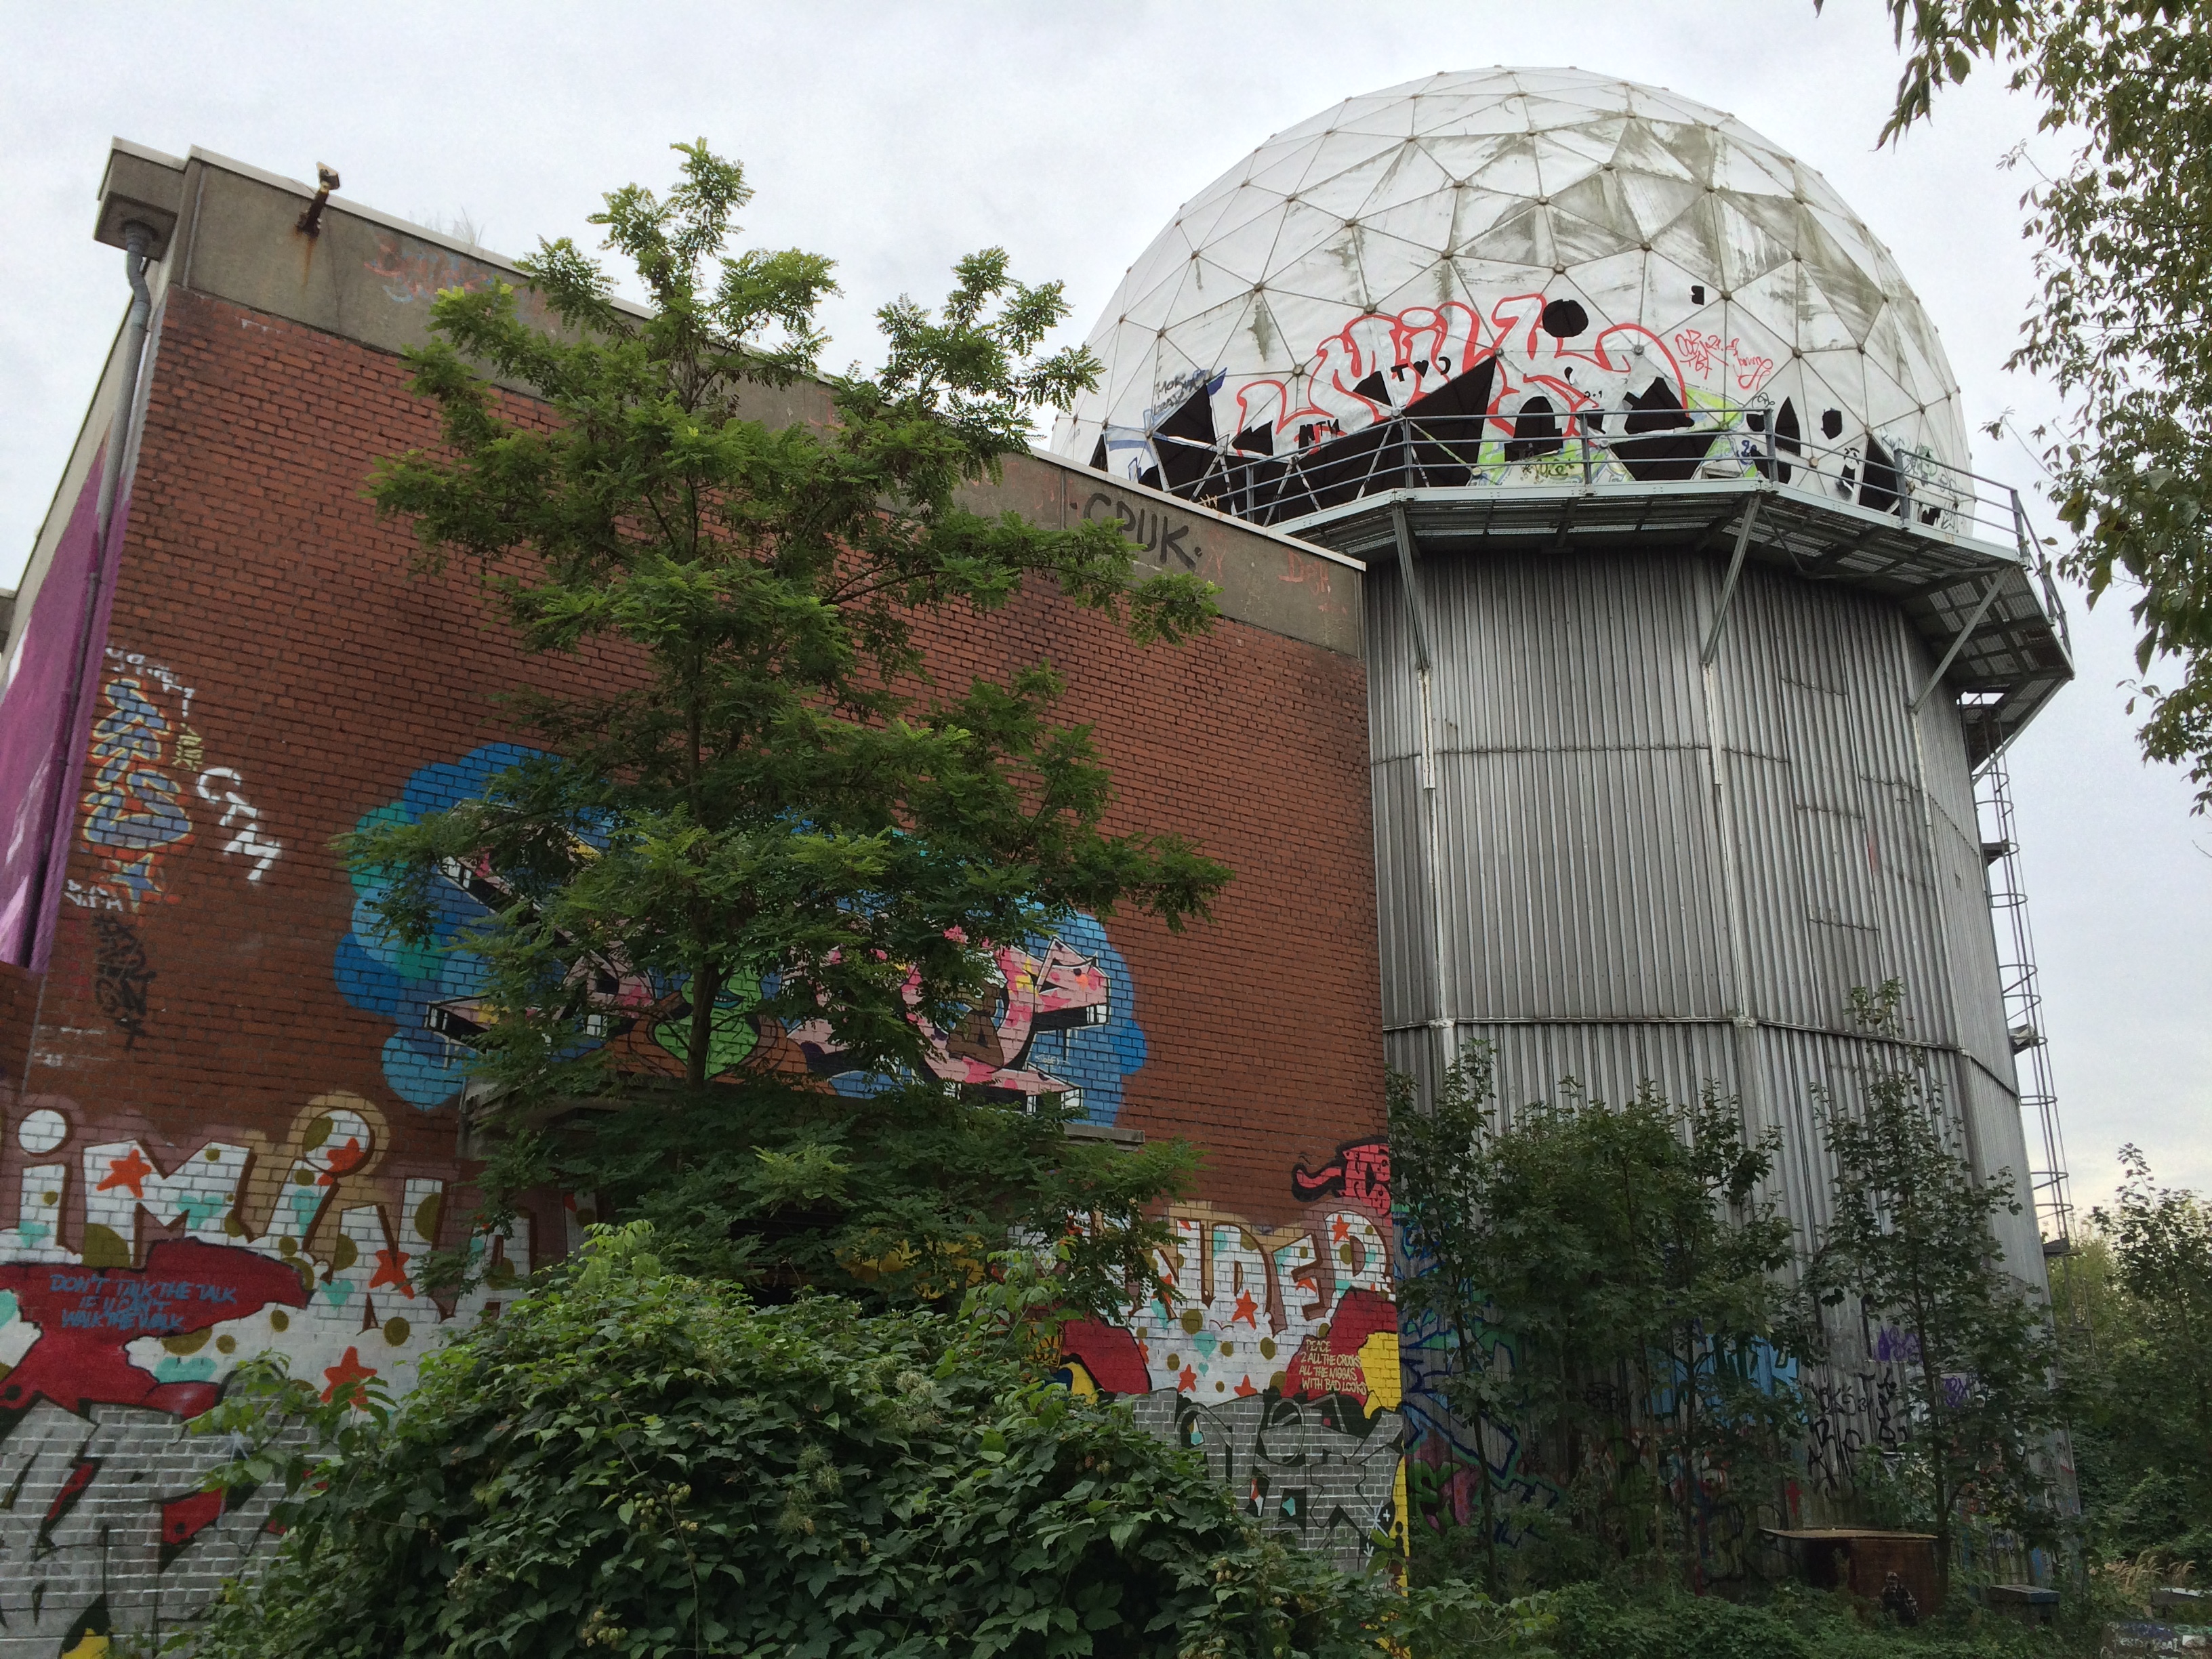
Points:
[[895, 138]]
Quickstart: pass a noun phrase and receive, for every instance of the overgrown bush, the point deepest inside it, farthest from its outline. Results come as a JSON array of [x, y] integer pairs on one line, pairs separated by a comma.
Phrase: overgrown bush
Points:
[[2134, 1316], [1609, 1280], [1604, 1621], [635, 1463]]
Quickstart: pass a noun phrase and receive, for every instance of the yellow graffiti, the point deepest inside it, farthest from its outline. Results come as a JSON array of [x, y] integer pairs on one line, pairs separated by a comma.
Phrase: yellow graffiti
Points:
[[1378, 1364]]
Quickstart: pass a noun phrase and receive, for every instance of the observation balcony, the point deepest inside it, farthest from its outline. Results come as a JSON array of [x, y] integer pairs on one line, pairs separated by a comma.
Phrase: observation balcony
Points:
[[1953, 549]]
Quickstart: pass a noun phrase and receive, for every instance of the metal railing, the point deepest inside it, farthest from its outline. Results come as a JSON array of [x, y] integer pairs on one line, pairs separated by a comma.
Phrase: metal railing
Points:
[[1411, 448], [2023, 1007]]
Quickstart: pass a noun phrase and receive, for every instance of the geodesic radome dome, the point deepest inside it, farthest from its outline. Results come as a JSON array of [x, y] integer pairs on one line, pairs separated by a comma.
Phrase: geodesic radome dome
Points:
[[1510, 276]]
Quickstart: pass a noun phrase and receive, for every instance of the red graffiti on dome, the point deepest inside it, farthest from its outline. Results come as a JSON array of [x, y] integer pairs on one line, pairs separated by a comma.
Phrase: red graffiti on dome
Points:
[[87, 1317], [1360, 1171], [1380, 364], [1705, 352]]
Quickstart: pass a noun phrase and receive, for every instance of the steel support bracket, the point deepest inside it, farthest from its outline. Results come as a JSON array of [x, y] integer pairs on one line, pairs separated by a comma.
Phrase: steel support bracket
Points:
[[1734, 570], [1974, 621], [1413, 615]]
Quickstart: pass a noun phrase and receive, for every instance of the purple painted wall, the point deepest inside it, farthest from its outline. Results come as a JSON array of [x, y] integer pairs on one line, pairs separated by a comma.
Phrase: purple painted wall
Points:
[[40, 767]]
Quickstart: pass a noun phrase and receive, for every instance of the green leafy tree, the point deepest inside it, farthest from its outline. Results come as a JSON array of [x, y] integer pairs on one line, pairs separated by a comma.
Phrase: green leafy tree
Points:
[[1910, 1240], [1608, 1279], [2119, 320], [2135, 1314], [629, 1462], [762, 824]]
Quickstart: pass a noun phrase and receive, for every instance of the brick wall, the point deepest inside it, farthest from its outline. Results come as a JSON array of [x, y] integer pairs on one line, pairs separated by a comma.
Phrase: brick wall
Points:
[[215, 1151]]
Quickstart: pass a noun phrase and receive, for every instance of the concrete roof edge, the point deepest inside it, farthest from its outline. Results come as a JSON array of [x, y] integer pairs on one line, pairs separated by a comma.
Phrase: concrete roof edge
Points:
[[485, 255], [147, 153], [1198, 510], [445, 240], [359, 211]]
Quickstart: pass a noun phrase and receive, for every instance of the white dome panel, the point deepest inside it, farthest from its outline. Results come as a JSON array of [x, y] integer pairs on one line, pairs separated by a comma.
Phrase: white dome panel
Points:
[[1527, 264]]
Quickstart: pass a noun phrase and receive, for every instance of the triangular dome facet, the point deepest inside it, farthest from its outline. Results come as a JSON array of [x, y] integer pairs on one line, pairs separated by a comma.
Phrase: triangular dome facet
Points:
[[1604, 248]]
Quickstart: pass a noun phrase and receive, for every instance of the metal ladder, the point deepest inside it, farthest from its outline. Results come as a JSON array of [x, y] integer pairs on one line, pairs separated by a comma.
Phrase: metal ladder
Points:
[[2023, 1004]]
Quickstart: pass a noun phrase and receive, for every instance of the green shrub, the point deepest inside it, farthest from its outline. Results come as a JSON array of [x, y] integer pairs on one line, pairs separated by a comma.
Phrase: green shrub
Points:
[[634, 1462], [1606, 1620]]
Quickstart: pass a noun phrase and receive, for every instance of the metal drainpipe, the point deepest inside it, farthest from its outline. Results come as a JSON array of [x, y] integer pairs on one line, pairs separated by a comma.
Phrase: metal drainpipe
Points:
[[136, 240], [1445, 1024]]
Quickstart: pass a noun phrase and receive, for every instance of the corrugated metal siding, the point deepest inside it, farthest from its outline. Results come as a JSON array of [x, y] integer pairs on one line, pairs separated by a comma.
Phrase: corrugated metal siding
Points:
[[1587, 849], [1542, 654], [1608, 1062], [1403, 909], [2001, 1144], [1961, 879], [1565, 654], [1392, 703], [1811, 678], [1583, 885]]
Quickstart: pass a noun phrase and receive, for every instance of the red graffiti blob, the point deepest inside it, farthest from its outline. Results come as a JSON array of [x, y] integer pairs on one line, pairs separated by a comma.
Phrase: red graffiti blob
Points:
[[72, 1489], [348, 1379], [1331, 1364], [183, 1518], [1360, 1171], [1113, 1356], [87, 1316]]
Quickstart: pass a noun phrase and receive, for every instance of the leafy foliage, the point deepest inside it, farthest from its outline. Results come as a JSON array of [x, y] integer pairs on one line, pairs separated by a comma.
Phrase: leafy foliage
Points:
[[1910, 1240], [2126, 289], [2135, 1318], [634, 1462], [1596, 1620], [898, 1197], [764, 813], [1607, 1278]]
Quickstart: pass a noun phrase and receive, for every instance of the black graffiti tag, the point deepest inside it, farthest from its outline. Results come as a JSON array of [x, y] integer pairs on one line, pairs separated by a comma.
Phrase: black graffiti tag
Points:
[[1149, 528], [120, 975]]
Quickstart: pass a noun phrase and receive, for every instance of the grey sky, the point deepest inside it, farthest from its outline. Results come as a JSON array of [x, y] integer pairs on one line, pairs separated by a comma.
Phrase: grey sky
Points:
[[895, 138]]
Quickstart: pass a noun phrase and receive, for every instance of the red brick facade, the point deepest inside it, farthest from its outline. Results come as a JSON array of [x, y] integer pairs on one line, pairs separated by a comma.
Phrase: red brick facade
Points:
[[205, 1146], [324, 671]]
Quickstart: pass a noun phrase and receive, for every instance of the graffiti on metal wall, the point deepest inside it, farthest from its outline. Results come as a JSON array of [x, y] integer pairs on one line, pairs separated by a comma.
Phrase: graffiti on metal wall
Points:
[[1058, 1018], [1274, 1351], [132, 1282], [1533, 391], [1860, 1405], [142, 770], [1446, 1457]]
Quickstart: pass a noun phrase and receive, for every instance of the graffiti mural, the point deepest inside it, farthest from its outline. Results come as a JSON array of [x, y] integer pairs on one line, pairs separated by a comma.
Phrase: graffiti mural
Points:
[[1446, 394], [1274, 1350], [413, 271], [1446, 1457], [238, 817], [132, 1283], [134, 809], [121, 976], [1057, 1017], [144, 764]]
